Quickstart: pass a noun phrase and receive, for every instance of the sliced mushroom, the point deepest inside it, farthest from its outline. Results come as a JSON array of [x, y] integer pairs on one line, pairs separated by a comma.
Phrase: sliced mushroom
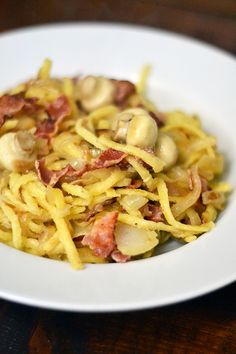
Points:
[[17, 151], [166, 150], [136, 127], [95, 92], [121, 125]]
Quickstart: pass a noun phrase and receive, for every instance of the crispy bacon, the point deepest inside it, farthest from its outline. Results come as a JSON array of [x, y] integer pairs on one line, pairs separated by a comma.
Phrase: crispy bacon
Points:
[[13, 104], [119, 257], [57, 111], [96, 209], [101, 238], [52, 177], [135, 183], [153, 213], [123, 89], [150, 151], [109, 158], [199, 207]]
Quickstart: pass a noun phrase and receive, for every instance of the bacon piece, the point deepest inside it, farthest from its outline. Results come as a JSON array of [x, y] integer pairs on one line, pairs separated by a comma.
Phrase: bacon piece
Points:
[[73, 174], [123, 89], [12, 104], [199, 207], [57, 111], [101, 238], [149, 151], [124, 165], [156, 213], [109, 158], [119, 257], [136, 183], [96, 209], [52, 177], [153, 213]]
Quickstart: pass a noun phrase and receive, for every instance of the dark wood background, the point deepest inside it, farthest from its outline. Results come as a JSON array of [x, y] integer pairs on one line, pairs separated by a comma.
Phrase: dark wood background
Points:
[[211, 20], [204, 325]]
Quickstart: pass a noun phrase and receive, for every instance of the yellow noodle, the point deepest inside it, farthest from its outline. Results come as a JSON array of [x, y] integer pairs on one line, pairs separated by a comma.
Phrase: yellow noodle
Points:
[[16, 181], [190, 238], [111, 193], [17, 237], [44, 71], [150, 159], [77, 191], [165, 205], [143, 172], [50, 244], [31, 202], [88, 136], [9, 198], [8, 125], [141, 85], [5, 236], [66, 240], [68, 87], [103, 186], [45, 221], [102, 112], [144, 224], [87, 256], [209, 214], [149, 195], [66, 144], [34, 227], [221, 187], [193, 217]]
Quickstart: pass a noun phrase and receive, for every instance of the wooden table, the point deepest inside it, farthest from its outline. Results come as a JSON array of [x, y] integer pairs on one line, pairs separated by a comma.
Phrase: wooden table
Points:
[[204, 325]]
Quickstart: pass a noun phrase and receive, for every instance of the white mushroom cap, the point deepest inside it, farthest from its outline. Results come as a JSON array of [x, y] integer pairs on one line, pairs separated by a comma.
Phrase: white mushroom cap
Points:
[[136, 127], [121, 125], [17, 151], [95, 92], [166, 150]]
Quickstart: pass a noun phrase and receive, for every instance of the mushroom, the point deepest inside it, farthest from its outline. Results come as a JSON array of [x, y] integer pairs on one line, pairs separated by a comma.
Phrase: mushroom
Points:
[[17, 151], [95, 92], [166, 150], [136, 127]]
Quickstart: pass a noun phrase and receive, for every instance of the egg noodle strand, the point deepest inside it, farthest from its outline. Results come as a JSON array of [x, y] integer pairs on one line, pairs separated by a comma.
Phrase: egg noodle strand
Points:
[[51, 221]]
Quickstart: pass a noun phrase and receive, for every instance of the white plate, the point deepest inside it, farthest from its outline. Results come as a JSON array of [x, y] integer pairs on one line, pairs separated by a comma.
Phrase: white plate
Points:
[[187, 75]]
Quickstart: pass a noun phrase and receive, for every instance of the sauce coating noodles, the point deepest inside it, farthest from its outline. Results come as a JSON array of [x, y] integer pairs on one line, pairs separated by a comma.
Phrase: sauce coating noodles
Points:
[[93, 172]]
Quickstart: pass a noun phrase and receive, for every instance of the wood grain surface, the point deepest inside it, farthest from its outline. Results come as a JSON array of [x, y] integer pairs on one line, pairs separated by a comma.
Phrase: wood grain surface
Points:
[[203, 325], [211, 20]]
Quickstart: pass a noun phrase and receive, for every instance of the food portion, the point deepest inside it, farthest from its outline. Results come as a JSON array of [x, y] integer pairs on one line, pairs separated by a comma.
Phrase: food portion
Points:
[[92, 172]]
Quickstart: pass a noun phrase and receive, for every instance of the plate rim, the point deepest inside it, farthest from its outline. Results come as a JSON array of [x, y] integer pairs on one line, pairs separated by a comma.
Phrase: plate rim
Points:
[[124, 307], [118, 25]]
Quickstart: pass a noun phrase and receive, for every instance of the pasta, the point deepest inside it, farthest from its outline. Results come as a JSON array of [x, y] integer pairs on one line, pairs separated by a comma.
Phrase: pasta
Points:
[[92, 172]]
